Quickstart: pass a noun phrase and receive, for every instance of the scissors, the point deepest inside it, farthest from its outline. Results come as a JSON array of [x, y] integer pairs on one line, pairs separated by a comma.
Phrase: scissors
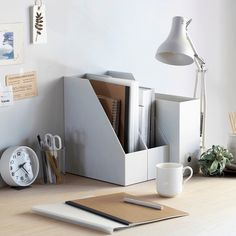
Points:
[[53, 142]]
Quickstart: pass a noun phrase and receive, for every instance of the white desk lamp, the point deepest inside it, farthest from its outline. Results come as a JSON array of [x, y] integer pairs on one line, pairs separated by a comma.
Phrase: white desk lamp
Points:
[[178, 49]]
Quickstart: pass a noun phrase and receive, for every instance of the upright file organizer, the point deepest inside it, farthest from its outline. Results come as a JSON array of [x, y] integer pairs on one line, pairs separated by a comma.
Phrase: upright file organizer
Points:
[[178, 120], [92, 147]]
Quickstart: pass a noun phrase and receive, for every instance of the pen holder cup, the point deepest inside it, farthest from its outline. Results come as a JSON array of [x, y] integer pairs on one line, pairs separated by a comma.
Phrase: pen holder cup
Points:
[[53, 165], [231, 145]]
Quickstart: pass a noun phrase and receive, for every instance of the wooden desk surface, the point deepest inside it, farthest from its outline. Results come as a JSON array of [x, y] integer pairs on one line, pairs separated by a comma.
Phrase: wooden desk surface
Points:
[[211, 203]]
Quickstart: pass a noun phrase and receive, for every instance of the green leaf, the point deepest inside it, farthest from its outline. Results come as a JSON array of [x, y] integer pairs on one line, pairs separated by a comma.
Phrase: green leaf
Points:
[[209, 157], [222, 166], [213, 166]]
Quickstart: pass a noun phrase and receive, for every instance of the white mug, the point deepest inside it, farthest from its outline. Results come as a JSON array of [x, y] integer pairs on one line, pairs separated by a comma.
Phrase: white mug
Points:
[[169, 182]]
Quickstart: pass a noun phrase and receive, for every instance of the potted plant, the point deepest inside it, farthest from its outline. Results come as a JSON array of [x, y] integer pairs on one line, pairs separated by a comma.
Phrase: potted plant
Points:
[[213, 161]]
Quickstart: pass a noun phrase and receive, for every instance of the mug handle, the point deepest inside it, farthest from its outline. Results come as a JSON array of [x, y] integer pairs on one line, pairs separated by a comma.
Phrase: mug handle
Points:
[[191, 173]]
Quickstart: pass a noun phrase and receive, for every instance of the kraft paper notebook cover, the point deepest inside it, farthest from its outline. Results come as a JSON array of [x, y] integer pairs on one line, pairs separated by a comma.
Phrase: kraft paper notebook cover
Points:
[[119, 92], [113, 207]]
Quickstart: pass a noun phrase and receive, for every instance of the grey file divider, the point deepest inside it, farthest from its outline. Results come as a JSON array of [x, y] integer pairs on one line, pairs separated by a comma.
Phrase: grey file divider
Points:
[[92, 147]]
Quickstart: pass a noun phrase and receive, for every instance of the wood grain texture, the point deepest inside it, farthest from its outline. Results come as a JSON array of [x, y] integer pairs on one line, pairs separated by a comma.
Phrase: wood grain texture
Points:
[[210, 203]]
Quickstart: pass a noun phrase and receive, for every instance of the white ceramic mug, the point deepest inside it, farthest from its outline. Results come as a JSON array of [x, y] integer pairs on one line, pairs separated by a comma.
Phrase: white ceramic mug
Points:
[[170, 180]]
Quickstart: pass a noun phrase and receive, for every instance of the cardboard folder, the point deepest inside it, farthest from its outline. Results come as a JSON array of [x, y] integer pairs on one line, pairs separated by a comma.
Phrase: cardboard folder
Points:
[[113, 207], [132, 105]]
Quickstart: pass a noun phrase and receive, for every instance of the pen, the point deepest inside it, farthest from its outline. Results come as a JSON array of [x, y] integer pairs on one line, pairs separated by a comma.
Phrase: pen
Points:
[[39, 141], [44, 161], [143, 203]]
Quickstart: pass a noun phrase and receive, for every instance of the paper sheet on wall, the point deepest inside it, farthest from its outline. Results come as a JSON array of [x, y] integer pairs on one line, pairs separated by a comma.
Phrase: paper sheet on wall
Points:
[[6, 97], [24, 85]]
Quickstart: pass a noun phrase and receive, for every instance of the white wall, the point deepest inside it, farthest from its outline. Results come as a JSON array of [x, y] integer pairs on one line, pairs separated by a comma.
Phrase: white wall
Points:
[[93, 36], [21, 123]]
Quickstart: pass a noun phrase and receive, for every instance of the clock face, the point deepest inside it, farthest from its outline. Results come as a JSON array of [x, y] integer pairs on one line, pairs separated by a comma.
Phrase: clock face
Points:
[[21, 167]]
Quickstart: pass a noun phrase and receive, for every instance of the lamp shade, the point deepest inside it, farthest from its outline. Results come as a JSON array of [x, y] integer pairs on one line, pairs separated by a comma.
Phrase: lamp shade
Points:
[[176, 50]]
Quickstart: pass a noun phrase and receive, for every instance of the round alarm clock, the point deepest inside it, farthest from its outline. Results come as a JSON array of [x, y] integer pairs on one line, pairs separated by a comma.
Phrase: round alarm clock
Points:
[[19, 166]]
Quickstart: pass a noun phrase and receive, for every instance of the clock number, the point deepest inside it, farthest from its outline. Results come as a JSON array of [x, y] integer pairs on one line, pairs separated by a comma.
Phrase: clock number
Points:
[[11, 162], [18, 153], [14, 156]]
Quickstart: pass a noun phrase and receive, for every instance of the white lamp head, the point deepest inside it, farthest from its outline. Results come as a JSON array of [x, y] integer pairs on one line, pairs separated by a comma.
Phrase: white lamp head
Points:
[[176, 50]]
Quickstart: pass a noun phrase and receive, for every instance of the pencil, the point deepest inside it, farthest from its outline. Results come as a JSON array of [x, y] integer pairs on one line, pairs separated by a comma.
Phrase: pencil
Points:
[[143, 203]]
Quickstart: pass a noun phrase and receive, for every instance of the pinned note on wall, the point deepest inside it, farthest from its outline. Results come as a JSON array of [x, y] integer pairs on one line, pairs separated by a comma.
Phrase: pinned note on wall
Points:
[[39, 30], [6, 96], [24, 85]]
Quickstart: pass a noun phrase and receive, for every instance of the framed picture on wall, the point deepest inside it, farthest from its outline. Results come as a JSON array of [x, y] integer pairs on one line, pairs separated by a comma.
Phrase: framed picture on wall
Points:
[[11, 43]]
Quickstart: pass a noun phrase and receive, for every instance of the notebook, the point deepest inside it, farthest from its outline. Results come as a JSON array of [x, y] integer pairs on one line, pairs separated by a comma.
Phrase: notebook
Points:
[[114, 208], [133, 109], [106, 207], [119, 92], [72, 215], [112, 108]]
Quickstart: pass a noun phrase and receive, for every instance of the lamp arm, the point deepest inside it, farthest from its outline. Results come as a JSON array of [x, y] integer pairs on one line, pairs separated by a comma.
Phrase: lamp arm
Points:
[[200, 63]]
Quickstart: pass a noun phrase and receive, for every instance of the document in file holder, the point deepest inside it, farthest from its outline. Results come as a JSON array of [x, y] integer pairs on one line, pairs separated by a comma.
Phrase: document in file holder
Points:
[[112, 108], [133, 118], [118, 92], [110, 213], [122, 75]]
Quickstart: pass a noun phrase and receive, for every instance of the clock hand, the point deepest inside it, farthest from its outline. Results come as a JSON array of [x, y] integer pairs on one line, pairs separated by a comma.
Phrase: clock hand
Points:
[[17, 170], [20, 166], [25, 169]]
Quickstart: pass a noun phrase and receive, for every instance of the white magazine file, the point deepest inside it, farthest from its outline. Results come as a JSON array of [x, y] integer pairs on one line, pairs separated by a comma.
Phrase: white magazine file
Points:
[[178, 120], [93, 149]]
